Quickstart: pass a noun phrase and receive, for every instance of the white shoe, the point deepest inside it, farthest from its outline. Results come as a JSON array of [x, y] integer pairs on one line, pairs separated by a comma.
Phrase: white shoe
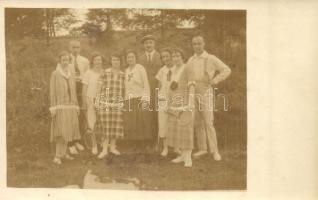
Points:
[[73, 150], [95, 150], [57, 161], [68, 157], [217, 156], [103, 154], [79, 146], [164, 153], [200, 153], [114, 151], [188, 163], [179, 159]]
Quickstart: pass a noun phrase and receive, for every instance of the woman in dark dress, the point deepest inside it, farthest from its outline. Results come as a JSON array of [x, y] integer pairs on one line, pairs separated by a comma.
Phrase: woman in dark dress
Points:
[[137, 102]]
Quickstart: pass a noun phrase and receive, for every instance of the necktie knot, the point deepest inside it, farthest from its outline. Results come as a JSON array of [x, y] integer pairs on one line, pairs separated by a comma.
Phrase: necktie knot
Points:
[[77, 71], [149, 57], [169, 75]]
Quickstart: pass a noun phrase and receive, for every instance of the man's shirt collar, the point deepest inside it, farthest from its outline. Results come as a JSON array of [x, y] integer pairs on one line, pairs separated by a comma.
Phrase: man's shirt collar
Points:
[[202, 55]]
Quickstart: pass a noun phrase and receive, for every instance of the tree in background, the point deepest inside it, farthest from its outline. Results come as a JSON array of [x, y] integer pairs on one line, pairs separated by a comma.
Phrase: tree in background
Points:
[[214, 24], [219, 27], [20, 22], [101, 24], [57, 18], [224, 32], [164, 20], [36, 22]]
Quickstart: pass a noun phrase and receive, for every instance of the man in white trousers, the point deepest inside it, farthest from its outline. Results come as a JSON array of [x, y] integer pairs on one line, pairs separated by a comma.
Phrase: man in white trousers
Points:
[[208, 71], [79, 66]]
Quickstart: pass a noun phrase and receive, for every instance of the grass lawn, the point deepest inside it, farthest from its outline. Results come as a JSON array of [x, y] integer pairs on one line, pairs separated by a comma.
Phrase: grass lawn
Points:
[[33, 168]]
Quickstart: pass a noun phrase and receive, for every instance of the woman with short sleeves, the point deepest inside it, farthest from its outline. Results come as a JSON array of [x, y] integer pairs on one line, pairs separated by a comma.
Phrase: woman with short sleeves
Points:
[[180, 111], [109, 102], [90, 80]]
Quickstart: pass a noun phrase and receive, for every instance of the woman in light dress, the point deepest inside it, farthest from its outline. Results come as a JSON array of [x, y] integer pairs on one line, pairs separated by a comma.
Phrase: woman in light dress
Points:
[[180, 110], [110, 97], [164, 77], [90, 82]]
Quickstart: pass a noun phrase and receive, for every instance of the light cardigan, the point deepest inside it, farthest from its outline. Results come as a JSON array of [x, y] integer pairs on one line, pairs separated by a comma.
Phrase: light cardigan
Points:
[[62, 90], [136, 83]]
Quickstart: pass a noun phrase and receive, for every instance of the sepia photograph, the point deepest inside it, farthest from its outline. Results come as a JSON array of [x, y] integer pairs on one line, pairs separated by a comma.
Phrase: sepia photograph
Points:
[[126, 98]]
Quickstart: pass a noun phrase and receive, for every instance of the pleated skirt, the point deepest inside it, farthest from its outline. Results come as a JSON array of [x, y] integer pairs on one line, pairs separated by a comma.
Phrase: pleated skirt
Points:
[[65, 125]]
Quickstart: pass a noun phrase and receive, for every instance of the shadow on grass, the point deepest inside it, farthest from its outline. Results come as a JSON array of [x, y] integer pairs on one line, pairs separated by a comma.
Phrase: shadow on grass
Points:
[[153, 171]]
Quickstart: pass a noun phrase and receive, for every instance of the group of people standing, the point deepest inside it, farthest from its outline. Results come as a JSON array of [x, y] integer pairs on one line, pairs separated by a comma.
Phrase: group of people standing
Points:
[[150, 98]]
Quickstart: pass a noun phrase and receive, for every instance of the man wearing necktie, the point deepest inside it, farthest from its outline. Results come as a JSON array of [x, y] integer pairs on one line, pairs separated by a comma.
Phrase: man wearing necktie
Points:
[[79, 66], [151, 61]]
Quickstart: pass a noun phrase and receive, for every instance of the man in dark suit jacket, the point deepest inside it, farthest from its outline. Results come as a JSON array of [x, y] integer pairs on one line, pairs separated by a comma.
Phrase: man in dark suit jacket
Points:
[[151, 60]]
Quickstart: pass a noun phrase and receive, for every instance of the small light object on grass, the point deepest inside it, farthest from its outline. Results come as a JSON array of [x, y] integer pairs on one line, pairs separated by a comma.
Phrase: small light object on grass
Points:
[[35, 88]]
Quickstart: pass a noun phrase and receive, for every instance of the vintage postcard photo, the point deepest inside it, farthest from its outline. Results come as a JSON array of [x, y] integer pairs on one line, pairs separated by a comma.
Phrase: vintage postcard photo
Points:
[[159, 100], [129, 98]]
